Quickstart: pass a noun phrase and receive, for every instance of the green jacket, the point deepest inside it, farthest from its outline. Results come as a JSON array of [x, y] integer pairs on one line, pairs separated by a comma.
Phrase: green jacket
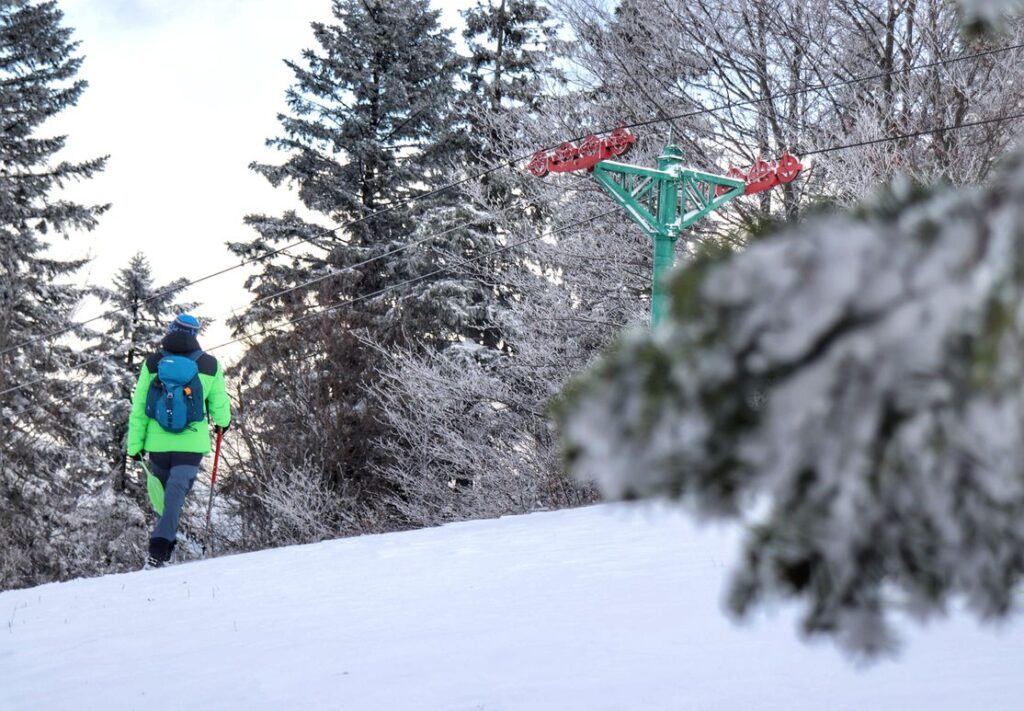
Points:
[[146, 435]]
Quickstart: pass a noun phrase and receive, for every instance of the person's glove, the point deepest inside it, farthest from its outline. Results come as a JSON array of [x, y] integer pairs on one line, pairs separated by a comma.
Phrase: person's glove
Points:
[[137, 456], [221, 430]]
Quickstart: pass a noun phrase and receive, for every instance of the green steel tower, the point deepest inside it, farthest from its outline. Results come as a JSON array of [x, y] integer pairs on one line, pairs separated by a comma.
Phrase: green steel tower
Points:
[[665, 200]]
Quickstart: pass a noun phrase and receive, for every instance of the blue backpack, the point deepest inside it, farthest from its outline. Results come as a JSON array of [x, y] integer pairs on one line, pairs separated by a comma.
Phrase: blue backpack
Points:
[[175, 398]]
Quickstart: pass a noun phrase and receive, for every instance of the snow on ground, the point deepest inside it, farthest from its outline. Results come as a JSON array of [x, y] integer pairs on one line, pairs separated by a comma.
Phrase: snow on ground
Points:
[[608, 607]]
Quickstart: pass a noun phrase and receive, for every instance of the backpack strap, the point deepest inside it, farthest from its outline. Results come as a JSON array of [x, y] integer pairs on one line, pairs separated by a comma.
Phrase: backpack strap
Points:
[[193, 356]]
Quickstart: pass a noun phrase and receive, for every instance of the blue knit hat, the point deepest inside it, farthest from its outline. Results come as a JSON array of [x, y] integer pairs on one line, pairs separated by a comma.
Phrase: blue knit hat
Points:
[[185, 323]]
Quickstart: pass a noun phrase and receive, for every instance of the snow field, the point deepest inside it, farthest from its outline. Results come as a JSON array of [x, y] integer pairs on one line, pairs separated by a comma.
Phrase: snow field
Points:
[[602, 608]]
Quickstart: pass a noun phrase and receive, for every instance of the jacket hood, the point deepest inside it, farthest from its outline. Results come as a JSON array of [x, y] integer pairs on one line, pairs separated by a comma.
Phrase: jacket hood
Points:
[[180, 343]]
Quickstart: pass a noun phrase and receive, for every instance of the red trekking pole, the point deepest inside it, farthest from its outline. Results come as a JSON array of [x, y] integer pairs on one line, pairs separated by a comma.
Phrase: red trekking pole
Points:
[[208, 546]]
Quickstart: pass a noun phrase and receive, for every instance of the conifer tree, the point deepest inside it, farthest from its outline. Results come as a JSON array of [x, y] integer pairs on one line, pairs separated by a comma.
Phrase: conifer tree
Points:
[[510, 61], [509, 68], [454, 455], [41, 433], [366, 131], [137, 320]]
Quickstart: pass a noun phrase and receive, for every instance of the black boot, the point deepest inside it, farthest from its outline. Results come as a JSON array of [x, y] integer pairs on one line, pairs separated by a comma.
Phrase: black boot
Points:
[[159, 552]]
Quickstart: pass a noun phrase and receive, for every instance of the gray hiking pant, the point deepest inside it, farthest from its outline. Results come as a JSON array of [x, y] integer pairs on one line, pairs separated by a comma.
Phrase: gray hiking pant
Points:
[[177, 472]]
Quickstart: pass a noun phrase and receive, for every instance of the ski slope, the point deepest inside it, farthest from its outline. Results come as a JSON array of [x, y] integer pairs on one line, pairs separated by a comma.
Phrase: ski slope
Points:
[[611, 607]]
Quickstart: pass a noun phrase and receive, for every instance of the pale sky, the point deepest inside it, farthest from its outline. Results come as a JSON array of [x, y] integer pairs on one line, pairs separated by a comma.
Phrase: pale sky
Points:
[[182, 95]]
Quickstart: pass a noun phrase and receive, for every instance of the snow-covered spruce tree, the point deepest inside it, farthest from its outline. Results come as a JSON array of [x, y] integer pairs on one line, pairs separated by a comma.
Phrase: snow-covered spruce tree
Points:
[[366, 131], [504, 76], [511, 51], [46, 445], [849, 389], [503, 79], [466, 438]]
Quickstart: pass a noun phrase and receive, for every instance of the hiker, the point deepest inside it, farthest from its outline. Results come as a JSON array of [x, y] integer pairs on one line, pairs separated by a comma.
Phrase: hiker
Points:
[[168, 421]]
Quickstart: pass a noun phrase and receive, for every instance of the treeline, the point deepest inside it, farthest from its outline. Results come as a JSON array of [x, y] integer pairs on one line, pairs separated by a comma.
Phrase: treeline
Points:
[[413, 318]]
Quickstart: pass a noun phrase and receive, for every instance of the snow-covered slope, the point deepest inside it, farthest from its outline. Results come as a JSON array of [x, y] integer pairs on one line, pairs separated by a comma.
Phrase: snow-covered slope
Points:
[[609, 607]]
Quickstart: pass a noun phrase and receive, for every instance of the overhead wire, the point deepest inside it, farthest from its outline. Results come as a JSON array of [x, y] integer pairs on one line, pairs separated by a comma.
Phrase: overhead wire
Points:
[[341, 270], [914, 134], [333, 307], [345, 302], [436, 272], [511, 162], [296, 287], [830, 85], [258, 258], [282, 292]]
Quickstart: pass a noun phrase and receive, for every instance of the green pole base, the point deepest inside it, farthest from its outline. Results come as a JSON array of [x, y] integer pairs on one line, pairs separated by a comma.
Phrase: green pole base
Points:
[[664, 258]]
